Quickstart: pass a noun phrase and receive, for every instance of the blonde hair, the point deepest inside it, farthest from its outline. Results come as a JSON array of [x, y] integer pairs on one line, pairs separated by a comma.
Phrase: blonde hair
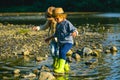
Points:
[[49, 11]]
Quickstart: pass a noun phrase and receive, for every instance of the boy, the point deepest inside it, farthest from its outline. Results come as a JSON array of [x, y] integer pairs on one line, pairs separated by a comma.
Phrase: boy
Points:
[[65, 32]]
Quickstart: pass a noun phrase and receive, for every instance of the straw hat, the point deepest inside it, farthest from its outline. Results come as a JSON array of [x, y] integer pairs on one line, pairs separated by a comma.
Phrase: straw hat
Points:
[[58, 11]]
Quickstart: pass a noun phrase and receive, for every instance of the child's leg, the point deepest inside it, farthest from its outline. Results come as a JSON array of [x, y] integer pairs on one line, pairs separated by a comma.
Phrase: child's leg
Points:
[[62, 57], [53, 49], [64, 49], [54, 52]]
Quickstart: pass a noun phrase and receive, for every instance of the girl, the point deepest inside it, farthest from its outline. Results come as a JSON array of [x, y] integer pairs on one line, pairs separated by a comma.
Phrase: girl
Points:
[[51, 25]]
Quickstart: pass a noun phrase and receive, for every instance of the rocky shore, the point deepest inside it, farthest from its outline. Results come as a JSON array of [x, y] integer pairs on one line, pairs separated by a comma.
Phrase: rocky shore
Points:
[[22, 40]]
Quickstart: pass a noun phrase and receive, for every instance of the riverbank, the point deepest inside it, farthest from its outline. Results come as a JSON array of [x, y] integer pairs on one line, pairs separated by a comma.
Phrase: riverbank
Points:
[[24, 51], [18, 39]]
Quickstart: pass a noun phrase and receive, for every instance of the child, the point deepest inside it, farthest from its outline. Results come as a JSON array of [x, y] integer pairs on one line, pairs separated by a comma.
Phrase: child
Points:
[[51, 25], [65, 32]]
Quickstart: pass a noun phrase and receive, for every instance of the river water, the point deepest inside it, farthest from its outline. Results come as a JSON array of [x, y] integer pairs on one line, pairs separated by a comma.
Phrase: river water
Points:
[[107, 67]]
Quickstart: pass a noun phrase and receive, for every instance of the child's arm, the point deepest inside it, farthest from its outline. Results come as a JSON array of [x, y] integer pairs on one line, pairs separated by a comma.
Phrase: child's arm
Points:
[[42, 27], [48, 39]]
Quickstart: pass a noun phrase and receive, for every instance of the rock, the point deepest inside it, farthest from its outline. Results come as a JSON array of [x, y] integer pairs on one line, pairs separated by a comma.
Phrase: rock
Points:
[[107, 51], [97, 52], [16, 71], [26, 52], [69, 59], [46, 76], [113, 49], [87, 51], [76, 56], [16, 75], [75, 43], [36, 71], [31, 75], [44, 68], [69, 53], [39, 59]]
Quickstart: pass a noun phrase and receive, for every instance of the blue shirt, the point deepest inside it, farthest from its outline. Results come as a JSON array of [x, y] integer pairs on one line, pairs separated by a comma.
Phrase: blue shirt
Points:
[[63, 32]]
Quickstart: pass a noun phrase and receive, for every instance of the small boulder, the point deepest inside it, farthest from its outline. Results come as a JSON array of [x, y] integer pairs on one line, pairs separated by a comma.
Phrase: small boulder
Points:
[[69, 53], [113, 49], [16, 71]]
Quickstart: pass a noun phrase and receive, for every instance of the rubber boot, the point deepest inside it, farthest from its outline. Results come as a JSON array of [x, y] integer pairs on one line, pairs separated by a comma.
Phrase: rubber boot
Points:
[[67, 67], [60, 69], [55, 62]]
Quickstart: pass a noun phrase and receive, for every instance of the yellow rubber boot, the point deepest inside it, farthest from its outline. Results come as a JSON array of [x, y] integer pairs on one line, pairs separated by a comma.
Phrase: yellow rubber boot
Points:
[[56, 64], [55, 61], [67, 67], [60, 69]]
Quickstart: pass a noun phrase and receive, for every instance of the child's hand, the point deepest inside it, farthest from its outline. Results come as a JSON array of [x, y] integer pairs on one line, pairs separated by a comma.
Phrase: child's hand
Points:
[[74, 34], [47, 40], [35, 28]]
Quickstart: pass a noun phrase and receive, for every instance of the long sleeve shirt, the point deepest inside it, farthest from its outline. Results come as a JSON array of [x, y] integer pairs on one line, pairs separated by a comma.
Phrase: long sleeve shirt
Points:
[[64, 31], [48, 25]]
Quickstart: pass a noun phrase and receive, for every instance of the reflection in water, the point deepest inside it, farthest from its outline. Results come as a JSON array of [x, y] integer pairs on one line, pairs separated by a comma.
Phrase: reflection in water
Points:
[[114, 64], [113, 37]]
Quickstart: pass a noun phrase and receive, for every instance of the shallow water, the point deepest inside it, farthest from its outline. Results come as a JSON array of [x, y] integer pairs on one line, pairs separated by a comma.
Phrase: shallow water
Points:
[[105, 68]]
